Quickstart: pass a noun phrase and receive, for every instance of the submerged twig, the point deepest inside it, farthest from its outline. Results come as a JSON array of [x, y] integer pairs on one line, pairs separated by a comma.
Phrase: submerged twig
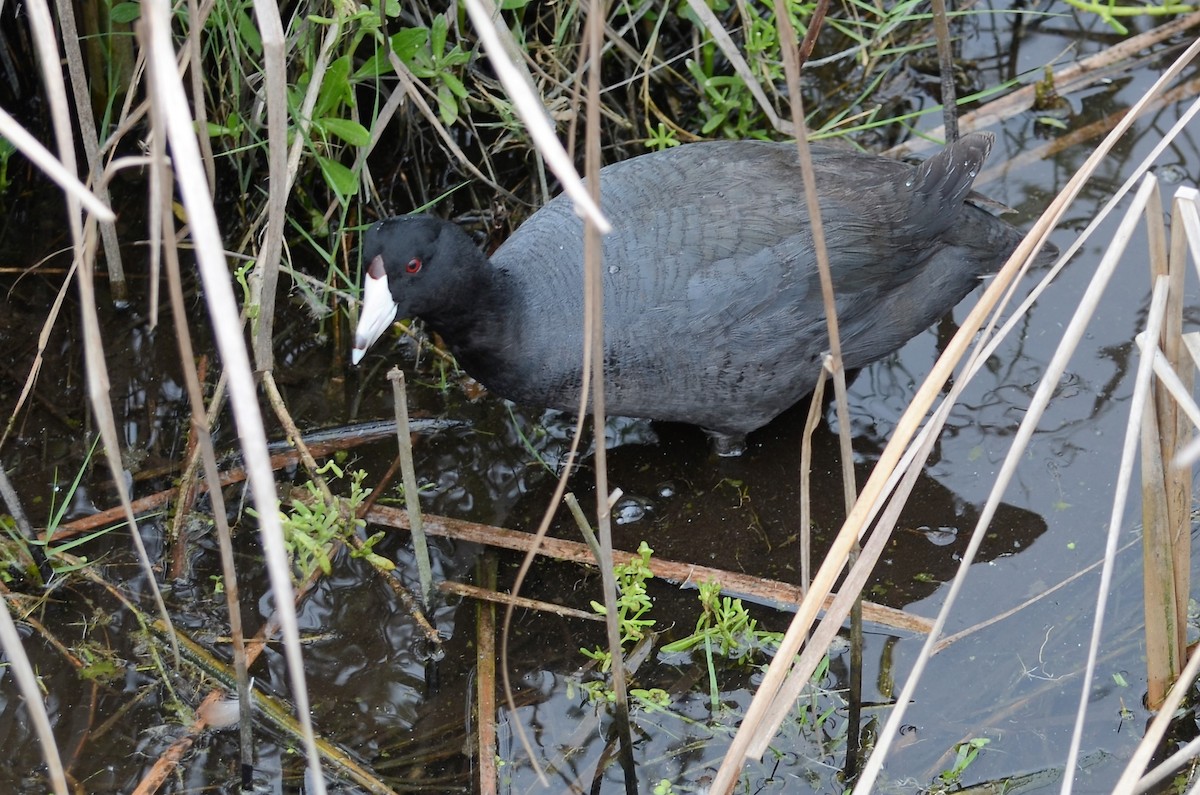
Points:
[[1074, 77], [757, 589], [492, 595]]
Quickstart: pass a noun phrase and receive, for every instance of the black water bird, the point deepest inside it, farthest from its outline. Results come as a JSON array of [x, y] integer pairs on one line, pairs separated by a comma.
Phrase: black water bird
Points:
[[712, 304]]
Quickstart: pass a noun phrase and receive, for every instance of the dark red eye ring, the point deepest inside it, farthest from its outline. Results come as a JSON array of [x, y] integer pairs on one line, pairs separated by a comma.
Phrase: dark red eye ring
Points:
[[413, 266]]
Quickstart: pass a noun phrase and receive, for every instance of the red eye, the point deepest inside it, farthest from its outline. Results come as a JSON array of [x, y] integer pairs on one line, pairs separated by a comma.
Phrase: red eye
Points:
[[413, 265]]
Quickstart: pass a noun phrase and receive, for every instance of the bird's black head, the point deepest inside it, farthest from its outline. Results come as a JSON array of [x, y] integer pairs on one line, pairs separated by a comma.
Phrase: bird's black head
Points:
[[417, 266]]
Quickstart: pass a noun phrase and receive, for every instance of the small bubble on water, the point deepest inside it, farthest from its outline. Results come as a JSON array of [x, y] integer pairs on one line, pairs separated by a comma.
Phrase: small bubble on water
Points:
[[1171, 174], [631, 509], [939, 536]]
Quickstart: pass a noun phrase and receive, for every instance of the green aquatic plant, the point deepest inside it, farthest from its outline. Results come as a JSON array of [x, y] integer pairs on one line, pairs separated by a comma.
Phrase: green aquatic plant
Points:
[[660, 137], [312, 527], [725, 624], [17, 553], [633, 605], [1112, 13], [964, 754]]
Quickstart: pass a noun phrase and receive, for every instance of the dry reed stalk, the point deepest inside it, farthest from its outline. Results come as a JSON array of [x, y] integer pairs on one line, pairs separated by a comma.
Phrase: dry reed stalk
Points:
[[280, 169], [91, 150], [875, 485], [815, 414], [485, 681], [27, 684], [1162, 632], [43, 340], [871, 771], [900, 486], [1166, 490], [754, 725], [941, 28], [52, 167], [1185, 225], [412, 496], [193, 53], [200, 440], [1145, 203], [83, 258], [1172, 415], [593, 360], [533, 114], [168, 95]]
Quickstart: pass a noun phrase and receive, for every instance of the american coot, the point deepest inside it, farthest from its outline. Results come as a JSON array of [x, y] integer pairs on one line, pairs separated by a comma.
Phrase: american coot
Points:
[[712, 304]]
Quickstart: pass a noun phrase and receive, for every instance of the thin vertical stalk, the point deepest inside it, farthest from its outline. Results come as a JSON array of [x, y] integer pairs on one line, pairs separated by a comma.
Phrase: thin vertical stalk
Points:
[[533, 114], [91, 150], [200, 428], [1164, 629], [485, 681], [84, 256], [412, 498], [1041, 398], [816, 402], [27, 683], [214, 272], [278, 176], [1139, 406], [1173, 421], [594, 360], [941, 27], [726, 776]]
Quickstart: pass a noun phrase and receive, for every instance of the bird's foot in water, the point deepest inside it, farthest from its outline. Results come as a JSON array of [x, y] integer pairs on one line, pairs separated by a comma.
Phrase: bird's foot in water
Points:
[[727, 445]]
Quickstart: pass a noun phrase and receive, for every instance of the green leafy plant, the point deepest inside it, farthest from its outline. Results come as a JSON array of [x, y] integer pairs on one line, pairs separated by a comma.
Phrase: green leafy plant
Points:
[[15, 551], [633, 603], [312, 526], [7, 150], [965, 754], [1112, 13], [439, 65], [727, 625], [726, 106], [661, 137], [428, 54]]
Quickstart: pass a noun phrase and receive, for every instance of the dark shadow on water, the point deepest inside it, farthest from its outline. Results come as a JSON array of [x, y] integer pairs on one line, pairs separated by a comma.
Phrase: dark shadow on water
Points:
[[742, 513]]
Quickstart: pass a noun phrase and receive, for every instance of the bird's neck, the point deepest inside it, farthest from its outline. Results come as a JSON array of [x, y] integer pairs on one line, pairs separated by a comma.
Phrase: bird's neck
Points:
[[473, 321]]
